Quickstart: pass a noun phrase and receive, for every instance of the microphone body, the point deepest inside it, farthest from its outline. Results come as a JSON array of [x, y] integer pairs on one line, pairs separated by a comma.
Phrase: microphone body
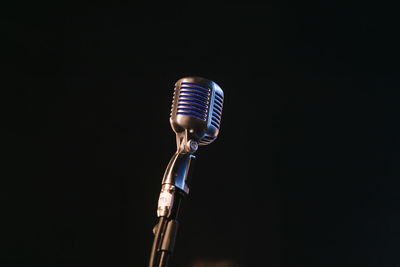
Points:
[[195, 118]]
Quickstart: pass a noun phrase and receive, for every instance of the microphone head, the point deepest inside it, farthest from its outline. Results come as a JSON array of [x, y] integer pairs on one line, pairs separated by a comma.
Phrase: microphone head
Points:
[[197, 108]]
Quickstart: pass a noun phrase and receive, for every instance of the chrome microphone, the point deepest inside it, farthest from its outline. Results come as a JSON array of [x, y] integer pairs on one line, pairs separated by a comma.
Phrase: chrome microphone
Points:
[[197, 108], [195, 118]]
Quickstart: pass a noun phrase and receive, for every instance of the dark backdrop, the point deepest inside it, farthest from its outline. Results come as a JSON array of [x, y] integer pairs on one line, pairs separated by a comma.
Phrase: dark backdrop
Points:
[[304, 172]]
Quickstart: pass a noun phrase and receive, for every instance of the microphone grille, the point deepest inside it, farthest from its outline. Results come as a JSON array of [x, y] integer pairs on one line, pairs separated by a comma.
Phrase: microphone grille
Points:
[[197, 106], [192, 100], [217, 109], [218, 101]]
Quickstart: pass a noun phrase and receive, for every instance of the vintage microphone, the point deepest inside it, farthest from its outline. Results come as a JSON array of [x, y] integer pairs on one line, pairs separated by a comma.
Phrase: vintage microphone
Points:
[[195, 118]]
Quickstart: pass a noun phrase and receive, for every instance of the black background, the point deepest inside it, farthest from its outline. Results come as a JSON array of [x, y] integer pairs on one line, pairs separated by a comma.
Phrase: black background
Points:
[[304, 172]]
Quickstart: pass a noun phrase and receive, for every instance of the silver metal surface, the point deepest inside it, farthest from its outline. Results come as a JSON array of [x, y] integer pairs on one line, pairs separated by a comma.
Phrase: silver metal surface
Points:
[[166, 200]]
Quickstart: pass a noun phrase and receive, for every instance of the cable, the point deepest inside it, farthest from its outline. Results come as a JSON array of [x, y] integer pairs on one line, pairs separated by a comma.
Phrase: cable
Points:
[[157, 236], [168, 242]]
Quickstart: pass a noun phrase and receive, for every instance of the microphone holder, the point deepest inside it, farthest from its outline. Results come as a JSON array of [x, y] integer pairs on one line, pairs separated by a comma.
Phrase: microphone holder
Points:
[[178, 169]]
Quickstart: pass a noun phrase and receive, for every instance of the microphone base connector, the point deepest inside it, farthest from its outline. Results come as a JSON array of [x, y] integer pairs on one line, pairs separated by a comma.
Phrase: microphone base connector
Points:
[[166, 200]]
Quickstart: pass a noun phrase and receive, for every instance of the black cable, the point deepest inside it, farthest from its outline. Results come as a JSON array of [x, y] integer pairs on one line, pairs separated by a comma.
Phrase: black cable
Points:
[[157, 236], [168, 242]]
